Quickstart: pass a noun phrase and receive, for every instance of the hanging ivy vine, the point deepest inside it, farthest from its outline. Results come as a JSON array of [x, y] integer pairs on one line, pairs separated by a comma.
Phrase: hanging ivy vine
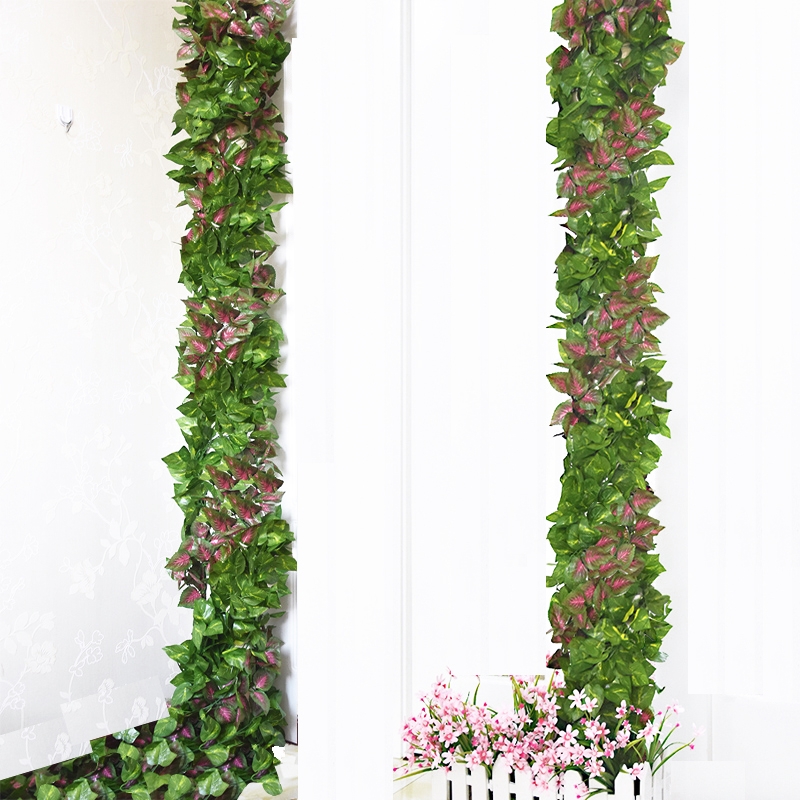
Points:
[[607, 616], [225, 715]]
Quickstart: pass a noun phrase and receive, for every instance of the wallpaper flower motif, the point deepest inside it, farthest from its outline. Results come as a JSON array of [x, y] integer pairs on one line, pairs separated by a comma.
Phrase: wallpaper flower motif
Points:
[[90, 231]]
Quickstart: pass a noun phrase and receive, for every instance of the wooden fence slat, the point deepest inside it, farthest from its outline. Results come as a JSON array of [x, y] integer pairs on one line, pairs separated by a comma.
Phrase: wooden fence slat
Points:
[[623, 786], [646, 791], [479, 781], [522, 786], [501, 780], [459, 777], [572, 781], [551, 793], [517, 785], [438, 785]]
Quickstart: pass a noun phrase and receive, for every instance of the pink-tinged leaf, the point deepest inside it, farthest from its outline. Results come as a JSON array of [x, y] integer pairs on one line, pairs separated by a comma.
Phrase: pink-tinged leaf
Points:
[[570, 18], [602, 154], [242, 471], [188, 596], [652, 318], [579, 571], [203, 553], [213, 11], [606, 338], [643, 501], [619, 167], [188, 50], [588, 592], [232, 353], [261, 700], [619, 583], [195, 200], [224, 714], [605, 540], [630, 122], [635, 105], [617, 305], [607, 566], [557, 618], [637, 333], [565, 185], [564, 59], [595, 187], [561, 412], [618, 144], [623, 19], [628, 515], [593, 557], [634, 277], [574, 348], [221, 215], [649, 345], [259, 29], [577, 207], [625, 553], [558, 380], [577, 384], [647, 265], [583, 172], [576, 602], [179, 561], [608, 25], [604, 320], [644, 525], [591, 399], [646, 136], [575, 39], [651, 112], [634, 152], [641, 542], [239, 28], [600, 593]]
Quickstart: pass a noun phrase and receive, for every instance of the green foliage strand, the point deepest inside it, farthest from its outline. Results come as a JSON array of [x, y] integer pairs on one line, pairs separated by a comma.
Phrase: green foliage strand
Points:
[[607, 617]]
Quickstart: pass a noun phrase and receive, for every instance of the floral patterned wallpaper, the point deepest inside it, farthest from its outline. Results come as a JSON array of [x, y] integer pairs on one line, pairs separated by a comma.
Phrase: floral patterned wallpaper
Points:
[[90, 262]]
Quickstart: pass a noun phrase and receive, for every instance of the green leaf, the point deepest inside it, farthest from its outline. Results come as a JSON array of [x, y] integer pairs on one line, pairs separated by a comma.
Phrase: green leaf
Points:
[[128, 752], [211, 783], [217, 755], [164, 727], [235, 656], [272, 785], [179, 785], [139, 793], [48, 792], [159, 754], [655, 157], [80, 790], [128, 736], [182, 693]]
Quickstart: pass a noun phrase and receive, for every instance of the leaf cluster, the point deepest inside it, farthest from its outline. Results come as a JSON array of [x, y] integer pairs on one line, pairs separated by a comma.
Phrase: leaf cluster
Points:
[[236, 551], [607, 617]]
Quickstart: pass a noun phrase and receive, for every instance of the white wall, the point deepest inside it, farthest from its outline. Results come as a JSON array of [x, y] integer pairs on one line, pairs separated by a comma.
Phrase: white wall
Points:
[[90, 262], [463, 352]]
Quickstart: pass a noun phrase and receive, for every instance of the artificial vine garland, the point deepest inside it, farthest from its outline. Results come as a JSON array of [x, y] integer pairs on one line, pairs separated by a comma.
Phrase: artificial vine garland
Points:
[[606, 615], [225, 714]]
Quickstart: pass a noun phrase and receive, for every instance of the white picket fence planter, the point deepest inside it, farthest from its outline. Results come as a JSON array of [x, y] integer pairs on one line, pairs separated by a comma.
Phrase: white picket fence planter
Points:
[[462, 783]]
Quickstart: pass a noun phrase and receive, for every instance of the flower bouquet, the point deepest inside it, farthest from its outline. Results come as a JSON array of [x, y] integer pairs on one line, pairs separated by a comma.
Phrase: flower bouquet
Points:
[[533, 739]]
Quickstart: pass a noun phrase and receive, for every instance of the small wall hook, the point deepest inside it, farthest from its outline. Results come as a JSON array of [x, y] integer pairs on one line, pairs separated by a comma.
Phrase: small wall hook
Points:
[[64, 116]]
